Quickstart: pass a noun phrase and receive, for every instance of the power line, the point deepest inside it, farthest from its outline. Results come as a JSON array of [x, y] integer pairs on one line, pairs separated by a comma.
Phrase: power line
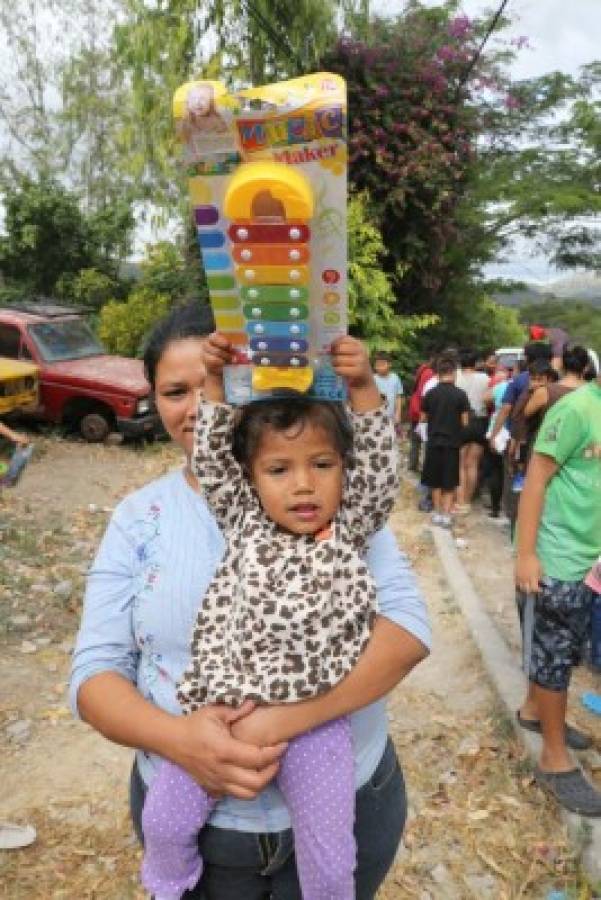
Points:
[[492, 25], [281, 42]]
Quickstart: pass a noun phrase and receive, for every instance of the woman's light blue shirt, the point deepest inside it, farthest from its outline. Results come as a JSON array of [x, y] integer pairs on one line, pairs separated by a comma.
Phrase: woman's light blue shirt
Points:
[[155, 562]]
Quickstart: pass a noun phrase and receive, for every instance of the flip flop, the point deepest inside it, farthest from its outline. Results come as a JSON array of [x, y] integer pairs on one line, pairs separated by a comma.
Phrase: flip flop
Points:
[[592, 702], [13, 837], [575, 739], [571, 790]]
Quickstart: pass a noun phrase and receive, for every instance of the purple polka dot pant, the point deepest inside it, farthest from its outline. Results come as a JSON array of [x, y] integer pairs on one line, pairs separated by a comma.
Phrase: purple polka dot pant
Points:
[[316, 778]]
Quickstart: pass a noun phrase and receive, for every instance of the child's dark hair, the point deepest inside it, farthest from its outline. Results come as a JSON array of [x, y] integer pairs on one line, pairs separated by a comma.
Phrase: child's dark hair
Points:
[[541, 368], [537, 350], [381, 354], [575, 359], [468, 359], [193, 320], [446, 365], [285, 414]]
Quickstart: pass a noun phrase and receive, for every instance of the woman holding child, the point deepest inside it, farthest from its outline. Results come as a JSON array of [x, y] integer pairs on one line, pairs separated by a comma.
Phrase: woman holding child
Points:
[[156, 562]]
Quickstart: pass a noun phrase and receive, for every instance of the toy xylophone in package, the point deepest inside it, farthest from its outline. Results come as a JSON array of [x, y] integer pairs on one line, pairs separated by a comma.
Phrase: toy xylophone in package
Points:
[[267, 180]]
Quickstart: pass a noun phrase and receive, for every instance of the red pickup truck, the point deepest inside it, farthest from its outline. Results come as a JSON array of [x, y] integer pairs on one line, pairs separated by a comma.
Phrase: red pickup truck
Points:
[[81, 386]]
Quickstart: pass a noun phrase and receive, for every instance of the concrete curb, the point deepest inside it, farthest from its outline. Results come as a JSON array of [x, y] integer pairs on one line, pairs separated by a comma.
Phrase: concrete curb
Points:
[[508, 680]]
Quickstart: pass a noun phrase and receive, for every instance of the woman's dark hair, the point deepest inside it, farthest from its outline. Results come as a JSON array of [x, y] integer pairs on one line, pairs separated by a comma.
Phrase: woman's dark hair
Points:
[[283, 414], [575, 359], [194, 320]]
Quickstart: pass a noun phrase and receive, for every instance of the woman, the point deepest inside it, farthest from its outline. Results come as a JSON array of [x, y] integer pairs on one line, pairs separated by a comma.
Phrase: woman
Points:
[[475, 385], [574, 363], [156, 560]]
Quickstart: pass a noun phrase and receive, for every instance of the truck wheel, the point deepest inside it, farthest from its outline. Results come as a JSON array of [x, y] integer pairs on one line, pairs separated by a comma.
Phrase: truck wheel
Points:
[[94, 427]]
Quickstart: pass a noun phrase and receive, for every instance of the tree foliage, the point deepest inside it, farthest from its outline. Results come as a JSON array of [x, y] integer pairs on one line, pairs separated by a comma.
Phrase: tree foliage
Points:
[[411, 141], [47, 235], [372, 314], [63, 99], [546, 184], [49, 238], [122, 327]]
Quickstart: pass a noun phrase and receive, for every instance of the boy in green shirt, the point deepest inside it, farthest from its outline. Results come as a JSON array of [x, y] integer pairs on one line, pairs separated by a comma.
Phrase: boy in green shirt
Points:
[[559, 540]]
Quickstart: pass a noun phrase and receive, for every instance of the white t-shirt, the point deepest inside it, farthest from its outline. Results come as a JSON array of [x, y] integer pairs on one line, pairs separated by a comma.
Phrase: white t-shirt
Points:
[[475, 385]]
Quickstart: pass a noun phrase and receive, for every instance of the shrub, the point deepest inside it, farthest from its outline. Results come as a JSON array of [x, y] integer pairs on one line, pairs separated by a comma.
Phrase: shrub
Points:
[[123, 326]]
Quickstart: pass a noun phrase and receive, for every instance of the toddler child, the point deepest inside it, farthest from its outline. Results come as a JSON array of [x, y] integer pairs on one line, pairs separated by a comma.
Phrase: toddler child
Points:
[[297, 489]]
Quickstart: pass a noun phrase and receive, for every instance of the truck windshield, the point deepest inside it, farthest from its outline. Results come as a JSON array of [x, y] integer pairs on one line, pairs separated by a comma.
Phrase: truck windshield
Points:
[[66, 339]]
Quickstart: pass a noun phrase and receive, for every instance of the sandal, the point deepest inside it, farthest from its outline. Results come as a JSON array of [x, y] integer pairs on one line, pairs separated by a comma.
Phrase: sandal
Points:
[[575, 739], [571, 790]]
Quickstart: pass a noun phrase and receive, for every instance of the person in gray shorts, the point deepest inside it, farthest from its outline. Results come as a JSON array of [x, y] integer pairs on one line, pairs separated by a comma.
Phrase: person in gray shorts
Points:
[[559, 539]]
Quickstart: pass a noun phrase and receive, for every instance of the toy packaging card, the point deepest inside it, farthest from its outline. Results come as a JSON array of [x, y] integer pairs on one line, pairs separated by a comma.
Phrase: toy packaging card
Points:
[[267, 180]]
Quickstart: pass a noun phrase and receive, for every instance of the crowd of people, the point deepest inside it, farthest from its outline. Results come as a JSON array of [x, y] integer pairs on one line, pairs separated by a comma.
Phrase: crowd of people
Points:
[[478, 437], [531, 436]]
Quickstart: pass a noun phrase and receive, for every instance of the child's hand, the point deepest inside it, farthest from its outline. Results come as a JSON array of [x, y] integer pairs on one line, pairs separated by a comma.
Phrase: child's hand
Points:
[[217, 353], [351, 362]]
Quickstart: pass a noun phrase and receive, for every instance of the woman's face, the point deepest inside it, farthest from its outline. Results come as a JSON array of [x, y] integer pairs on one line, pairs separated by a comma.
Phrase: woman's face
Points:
[[180, 376]]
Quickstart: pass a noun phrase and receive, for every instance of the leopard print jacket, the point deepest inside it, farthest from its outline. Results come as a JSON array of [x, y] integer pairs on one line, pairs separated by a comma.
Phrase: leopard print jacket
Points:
[[286, 616]]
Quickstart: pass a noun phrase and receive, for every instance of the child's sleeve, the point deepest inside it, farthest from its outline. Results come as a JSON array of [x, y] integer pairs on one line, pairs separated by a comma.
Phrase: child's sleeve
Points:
[[372, 479], [220, 476]]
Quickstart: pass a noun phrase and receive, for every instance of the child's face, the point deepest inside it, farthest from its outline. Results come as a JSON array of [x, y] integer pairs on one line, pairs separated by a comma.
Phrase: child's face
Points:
[[298, 476], [199, 101], [537, 381], [381, 366]]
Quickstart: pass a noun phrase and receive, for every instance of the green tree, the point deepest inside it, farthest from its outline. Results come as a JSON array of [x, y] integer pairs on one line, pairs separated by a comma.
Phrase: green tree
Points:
[[87, 288], [436, 135], [546, 186], [173, 272], [47, 235], [50, 240], [372, 314]]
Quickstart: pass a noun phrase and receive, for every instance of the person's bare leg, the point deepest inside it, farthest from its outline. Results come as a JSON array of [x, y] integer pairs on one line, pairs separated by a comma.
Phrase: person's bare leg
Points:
[[529, 708], [446, 502], [552, 706], [461, 488], [436, 499], [472, 465]]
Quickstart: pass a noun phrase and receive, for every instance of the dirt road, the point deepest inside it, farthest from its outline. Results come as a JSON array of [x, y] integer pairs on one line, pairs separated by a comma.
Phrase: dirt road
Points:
[[478, 827]]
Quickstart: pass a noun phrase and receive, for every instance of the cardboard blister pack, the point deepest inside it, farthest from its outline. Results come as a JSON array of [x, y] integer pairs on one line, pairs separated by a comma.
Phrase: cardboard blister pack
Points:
[[267, 179]]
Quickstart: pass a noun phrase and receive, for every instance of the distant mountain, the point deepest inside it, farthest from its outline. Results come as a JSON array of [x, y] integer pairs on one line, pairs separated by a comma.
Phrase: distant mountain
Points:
[[584, 286]]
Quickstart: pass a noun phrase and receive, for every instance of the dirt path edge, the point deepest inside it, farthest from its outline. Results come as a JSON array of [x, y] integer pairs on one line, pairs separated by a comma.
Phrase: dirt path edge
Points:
[[508, 681]]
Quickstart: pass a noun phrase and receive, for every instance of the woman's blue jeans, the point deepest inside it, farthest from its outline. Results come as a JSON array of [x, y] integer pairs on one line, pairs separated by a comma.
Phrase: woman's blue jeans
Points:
[[252, 866]]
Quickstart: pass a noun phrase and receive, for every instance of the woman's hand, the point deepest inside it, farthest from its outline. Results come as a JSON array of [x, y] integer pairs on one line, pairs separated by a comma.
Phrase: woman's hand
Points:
[[219, 761], [528, 573]]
